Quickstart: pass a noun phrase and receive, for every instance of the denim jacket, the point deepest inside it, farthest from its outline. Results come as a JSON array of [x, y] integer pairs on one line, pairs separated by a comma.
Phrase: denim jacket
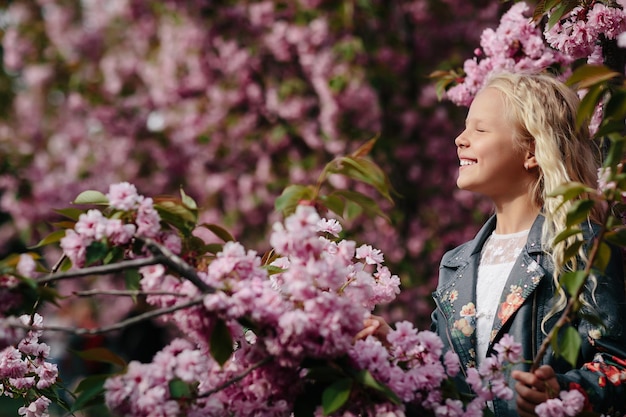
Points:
[[524, 304]]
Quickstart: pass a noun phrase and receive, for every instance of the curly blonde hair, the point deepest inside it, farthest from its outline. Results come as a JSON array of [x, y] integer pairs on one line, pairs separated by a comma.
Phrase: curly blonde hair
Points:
[[543, 111]]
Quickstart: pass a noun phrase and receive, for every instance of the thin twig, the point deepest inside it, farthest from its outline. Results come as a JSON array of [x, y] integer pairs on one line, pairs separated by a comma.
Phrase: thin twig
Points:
[[566, 316], [237, 378], [103, 269], [117, 326], [125, 293]]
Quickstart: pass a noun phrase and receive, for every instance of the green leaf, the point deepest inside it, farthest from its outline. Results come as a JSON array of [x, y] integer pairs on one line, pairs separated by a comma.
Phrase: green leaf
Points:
[[615, 108], [188, 202], [91, 197], [603, 257], [334, 203], [221, 344], [219, 232], [132, 277], [96, 252], [180, 389], [614, 156], [588, 104], [116, 253], [336, 395], [565, 234], [213, 247], [556, 15], [70, 213], [287, 202], [364, 170], [369, 205], [271, 269], [570, 190], [572, 281], [569, 345], [175, 213], [91, 391], [616, 237], [572, 250], [364, 149], [579, 212], [609, 126], [365, 378], [53, 237], [587, 76]]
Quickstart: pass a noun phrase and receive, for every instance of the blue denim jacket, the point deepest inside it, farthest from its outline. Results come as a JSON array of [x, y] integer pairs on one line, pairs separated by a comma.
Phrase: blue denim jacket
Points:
[[526, 300]]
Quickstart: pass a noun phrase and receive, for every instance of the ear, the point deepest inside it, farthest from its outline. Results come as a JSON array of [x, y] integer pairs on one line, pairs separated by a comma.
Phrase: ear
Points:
[[530, 161]]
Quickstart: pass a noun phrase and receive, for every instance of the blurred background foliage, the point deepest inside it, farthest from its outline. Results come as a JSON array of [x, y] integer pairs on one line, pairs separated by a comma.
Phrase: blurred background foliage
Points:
[[233, 101]]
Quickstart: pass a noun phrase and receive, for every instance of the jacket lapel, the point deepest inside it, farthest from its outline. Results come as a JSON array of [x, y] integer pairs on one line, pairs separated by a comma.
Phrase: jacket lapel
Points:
[[456, 295], [526, 274]]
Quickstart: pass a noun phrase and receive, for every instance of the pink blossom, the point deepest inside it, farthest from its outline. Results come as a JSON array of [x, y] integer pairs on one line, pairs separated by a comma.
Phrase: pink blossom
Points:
[[119, 233], [452, 363], [26, 266], [47, 373], [148, 219], [11, 363], [22, 383], [451, 408], [75, 247], [123, 196], [330, 226], [370, 255], [172, 241], [508, 350], [91, 225], [573, 402], [38, 408], [552, 407]]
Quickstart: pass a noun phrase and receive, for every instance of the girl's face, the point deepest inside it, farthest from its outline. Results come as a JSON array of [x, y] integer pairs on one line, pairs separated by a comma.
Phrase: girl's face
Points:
[[490, 162]]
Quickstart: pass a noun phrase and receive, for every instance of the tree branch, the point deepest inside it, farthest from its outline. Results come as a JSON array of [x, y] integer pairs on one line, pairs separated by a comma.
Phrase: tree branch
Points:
[[125, 293], [103, 269], [117, 326]]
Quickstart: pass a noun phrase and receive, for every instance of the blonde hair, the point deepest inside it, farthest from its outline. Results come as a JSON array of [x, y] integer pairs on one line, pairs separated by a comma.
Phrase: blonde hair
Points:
[[543, 111]]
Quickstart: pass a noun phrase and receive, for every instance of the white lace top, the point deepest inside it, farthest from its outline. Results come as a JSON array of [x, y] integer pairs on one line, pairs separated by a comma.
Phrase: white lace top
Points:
[[498, 255]]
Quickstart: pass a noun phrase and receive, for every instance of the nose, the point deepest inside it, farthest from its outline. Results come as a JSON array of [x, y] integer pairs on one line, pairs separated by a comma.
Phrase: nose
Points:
[[461, 140]]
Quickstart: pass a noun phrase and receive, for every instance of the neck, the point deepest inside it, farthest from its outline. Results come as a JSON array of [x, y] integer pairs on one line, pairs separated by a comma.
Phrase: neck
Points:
[[516, 215]]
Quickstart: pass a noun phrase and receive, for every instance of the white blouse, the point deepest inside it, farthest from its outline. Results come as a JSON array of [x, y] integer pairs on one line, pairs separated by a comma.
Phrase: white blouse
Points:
[[497, 258]]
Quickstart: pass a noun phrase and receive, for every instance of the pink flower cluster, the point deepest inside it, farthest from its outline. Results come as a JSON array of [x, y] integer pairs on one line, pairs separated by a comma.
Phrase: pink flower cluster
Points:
[[94, 226], [413, 369], [569, 404], [578, 34], [309, 307], [517, 44], [24, 371]]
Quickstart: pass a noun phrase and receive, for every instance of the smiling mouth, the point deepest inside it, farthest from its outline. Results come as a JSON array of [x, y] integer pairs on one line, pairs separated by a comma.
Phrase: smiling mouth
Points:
[[466, 162]]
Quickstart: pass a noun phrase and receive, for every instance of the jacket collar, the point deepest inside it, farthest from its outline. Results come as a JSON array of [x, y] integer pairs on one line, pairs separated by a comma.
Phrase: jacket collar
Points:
[[461, 255]]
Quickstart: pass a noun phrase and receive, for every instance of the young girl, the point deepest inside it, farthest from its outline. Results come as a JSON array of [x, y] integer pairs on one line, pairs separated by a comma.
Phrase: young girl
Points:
[[519, 144]]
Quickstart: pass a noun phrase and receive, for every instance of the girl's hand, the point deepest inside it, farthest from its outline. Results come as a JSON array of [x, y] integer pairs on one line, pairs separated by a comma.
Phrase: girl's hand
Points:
[[533, 388], [374, 326]]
